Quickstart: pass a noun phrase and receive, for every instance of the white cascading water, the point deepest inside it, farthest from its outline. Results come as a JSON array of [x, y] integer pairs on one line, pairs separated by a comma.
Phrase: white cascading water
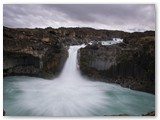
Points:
[[70, 94], [70, 72]]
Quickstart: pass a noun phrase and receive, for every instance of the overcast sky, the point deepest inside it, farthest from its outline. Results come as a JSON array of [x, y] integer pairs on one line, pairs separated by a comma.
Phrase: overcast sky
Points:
[[127, 17]]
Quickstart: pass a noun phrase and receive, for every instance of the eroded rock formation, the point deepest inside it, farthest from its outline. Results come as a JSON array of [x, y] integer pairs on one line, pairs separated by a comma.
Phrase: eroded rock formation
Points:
[[33, 52], [130, 64], [43, 52]]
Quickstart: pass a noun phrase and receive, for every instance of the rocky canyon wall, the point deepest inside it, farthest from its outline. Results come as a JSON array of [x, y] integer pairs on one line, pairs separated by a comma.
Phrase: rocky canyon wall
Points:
[[34, 52], [130, 64], [43, 52]]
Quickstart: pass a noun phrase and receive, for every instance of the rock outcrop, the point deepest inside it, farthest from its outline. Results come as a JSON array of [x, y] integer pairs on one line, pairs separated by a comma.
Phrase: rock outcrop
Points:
[[149, 114], [130, 64], [74, 36], [42, 52], [4, 113], [33, 52]]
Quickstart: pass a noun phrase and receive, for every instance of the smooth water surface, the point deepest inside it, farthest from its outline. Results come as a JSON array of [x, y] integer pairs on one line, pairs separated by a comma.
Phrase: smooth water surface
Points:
[[70, 94]]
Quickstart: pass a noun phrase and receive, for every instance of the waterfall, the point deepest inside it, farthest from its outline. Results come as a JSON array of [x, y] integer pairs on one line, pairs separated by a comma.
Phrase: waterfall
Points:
[[70, 72], [71, 94]]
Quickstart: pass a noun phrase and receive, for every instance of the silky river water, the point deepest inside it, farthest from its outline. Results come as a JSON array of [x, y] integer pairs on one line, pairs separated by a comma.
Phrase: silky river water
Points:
[[71, 94]]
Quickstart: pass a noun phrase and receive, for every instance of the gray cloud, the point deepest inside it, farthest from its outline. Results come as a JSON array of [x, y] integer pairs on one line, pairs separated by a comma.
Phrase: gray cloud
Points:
[[127, 17]]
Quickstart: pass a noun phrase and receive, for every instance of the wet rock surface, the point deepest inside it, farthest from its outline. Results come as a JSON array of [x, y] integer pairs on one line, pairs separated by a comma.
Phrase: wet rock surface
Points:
[[4, 113], [149, 114], [130, 64]]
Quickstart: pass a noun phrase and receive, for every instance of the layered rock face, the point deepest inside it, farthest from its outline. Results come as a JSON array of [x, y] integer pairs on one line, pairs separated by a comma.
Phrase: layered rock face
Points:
[[130, 64], [42, 52], [74, 36], [34, 52]]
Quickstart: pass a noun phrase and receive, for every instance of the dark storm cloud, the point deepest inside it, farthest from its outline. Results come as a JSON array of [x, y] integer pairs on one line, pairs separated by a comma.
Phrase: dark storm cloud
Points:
[[105, 16]]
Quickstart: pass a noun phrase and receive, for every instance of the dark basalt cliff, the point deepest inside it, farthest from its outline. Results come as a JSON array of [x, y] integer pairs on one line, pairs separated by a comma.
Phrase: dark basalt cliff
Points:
[[130, 64], [33, 52], [74, 36], [43, 52]]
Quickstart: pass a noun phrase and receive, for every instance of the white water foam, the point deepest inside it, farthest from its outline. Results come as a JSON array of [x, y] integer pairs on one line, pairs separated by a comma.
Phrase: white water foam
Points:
[[70, 94]]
